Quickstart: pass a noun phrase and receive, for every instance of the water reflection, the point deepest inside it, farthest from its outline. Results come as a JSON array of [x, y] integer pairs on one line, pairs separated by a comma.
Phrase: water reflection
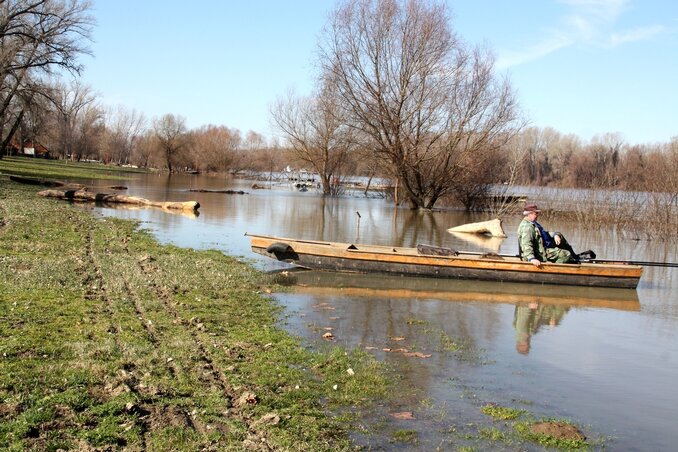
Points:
[[535, 306], [393, 286], [131, 207], [479, 240], [528, 318], [611, 349]]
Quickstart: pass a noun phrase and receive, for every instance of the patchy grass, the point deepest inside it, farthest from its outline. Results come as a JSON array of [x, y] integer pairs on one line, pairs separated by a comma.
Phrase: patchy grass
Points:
[[109, 340], [503, 413], [405, 436], [523, 427]]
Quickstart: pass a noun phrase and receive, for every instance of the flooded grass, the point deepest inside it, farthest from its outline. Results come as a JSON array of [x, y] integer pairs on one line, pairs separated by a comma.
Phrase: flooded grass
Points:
[[110, 340], [519, 425]]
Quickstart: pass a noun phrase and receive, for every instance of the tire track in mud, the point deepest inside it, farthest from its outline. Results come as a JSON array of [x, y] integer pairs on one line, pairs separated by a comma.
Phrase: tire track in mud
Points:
[[257, 440], [147, 416], [207, 371], [96, 290]]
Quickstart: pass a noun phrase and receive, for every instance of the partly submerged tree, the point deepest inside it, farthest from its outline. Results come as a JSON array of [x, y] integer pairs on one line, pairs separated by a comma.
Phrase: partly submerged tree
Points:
[[171, 134], [315, 131], [430, 107]]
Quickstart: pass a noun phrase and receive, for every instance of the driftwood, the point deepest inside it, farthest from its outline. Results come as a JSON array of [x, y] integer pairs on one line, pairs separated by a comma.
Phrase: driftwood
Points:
[[85, 196], [228, 192], [491, 227]]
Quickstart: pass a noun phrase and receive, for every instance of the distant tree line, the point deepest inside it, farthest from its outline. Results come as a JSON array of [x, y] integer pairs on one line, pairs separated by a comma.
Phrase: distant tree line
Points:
[[398, 95]]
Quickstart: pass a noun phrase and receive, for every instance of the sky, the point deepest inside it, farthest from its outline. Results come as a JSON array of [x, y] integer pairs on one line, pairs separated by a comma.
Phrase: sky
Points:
[[583, 67]]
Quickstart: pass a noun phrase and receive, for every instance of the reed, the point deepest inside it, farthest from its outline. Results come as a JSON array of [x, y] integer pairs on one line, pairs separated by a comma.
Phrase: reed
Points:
[[634, 215]]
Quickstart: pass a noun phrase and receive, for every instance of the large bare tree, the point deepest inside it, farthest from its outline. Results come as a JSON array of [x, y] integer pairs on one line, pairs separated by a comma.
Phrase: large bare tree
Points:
[[171, 132], [36, 37], [430, 107], [315, 130]]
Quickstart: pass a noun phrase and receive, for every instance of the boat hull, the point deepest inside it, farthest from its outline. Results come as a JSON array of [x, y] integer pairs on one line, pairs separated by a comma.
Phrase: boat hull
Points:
[[407, 261]]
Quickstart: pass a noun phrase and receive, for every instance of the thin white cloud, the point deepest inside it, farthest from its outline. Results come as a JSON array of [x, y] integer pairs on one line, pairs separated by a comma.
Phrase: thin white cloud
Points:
[[588, 22], [541, 49], [638, 34]]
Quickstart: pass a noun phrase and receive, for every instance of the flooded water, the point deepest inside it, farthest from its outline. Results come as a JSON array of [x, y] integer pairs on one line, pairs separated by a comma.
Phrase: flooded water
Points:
[[607, 359]]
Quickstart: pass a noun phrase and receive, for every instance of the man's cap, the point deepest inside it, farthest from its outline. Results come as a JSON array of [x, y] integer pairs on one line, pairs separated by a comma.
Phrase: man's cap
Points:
[[531, 208]]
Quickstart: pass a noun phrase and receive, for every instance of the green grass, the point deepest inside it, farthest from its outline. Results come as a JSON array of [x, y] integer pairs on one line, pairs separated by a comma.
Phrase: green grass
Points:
[[520, 424], [63, 169], [503, 413], [110, 340]]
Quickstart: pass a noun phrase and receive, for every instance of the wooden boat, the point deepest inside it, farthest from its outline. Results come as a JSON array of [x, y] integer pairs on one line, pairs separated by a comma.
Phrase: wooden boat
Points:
[[440, 263]]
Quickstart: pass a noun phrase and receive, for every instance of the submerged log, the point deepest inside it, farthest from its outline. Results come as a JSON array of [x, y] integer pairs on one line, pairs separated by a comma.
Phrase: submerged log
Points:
[[86, 196], [491, 227]]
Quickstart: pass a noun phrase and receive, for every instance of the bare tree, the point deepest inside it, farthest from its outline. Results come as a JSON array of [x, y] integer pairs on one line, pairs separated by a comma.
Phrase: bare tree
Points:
[[429, 106], [74, 108], [36, 36], [217, 147], [171, 133], [317, 133], [254, 141], [124, 127], [145, 150]]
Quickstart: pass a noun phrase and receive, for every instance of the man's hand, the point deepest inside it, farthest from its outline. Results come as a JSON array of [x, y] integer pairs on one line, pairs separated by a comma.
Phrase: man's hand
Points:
[[536, 262], [556, 238]]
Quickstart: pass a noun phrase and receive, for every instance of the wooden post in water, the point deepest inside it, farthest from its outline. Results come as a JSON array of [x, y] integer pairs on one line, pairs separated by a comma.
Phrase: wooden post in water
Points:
[[357, 232]]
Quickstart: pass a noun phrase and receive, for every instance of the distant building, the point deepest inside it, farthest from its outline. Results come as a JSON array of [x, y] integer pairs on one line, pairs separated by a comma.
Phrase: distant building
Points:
[[30, 148]]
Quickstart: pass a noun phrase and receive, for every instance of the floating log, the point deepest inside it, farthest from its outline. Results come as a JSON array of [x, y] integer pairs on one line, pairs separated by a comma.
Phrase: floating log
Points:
[[86, 196], [228, 192], [491, 227]]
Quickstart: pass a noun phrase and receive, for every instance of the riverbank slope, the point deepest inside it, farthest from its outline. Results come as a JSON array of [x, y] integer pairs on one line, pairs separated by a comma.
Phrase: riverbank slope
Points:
[[110, 340]]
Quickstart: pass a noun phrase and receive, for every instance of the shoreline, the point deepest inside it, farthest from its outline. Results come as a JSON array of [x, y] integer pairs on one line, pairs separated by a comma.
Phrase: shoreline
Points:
[[113, 340]]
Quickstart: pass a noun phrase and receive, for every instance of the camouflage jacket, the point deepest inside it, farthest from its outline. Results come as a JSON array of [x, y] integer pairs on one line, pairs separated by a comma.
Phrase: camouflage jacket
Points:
[[530, 242]]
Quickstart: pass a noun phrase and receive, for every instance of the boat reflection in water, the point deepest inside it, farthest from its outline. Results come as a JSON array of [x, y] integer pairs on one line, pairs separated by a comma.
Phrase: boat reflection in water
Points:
[[536, 306], [373, 285]]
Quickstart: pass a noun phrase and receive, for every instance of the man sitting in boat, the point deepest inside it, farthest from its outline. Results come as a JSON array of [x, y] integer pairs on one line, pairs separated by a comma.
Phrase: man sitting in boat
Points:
[[536, 245]]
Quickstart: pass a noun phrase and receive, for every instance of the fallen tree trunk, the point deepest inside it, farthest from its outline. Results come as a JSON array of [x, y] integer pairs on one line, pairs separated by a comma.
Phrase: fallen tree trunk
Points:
[[86, 196], [43, 182], [491, 227]]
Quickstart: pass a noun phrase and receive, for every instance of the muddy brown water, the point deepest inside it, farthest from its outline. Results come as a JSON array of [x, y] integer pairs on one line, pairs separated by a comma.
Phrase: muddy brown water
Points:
[[605, 359]]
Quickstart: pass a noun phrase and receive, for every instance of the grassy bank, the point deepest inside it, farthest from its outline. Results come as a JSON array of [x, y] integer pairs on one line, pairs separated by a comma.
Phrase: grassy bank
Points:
[[112, 341], [63, 169]]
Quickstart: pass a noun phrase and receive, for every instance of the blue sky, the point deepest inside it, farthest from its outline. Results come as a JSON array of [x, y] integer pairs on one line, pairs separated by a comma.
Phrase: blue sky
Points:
[[586, 67]]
